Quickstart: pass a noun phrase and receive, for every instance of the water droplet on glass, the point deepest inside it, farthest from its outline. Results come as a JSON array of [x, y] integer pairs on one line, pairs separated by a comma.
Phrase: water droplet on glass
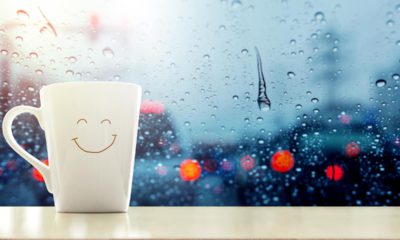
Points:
[[31, 89], [72, 59], [319, 16], [39, 72], [22, 14], [108, 52], [116, 77], [236, 4], [298, 106], [147, 92], [187, 123], [396, 76], [245, 51], [389, 23], [33, 55], [291, 74], [263, 101], [235, 97], [44, 30], [69, 72], [15, 54], [292, 42], [314, 100], [380, 83], [19, 39], [222, 27], [4, 52], [260, 119], [206, 56]]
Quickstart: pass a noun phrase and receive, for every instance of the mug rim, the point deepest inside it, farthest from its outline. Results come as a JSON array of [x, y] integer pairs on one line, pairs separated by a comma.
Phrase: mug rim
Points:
[[118, 83]]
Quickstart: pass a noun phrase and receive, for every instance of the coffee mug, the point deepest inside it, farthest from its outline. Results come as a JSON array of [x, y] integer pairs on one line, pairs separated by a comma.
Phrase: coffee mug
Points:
[[91, 130]]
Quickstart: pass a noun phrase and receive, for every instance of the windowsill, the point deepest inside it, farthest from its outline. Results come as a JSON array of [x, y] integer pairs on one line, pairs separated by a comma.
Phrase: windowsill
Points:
[[205, 222]]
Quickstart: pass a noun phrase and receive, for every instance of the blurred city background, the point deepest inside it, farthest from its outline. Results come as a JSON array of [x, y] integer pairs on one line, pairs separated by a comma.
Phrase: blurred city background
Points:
[[331, 71]]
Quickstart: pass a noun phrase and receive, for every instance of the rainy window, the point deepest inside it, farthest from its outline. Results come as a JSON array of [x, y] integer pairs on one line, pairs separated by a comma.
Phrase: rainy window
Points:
[[245, 102]]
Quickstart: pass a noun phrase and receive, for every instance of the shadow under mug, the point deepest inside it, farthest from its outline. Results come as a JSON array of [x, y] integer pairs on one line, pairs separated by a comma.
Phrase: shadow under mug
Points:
[[91, 130]]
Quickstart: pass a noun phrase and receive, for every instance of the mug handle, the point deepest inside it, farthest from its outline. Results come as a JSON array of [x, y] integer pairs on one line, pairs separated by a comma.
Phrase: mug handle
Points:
[[7, 132]]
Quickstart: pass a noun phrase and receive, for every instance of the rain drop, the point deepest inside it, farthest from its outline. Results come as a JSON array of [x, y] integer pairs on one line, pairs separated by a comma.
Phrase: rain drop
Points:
[[396, 76], [116, 77], [236, 3], [245, 51], [72, 59], [33, 55], [380, 83], [22, 14], [235, 97], [206, 56], [69, 72], [389, 23], [319, 16], [39, 72], [31, 89], [108, 52], [291, 74], [19, 38], [4, 52], [298, 106], [314, 100]]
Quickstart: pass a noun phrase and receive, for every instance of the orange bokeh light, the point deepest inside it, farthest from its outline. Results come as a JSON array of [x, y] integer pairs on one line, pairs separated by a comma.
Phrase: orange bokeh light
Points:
[[190, 170], [282, 161]]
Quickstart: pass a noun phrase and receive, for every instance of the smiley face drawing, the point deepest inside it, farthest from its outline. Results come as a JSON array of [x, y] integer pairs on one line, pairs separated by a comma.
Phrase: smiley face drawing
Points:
[[84, 149]]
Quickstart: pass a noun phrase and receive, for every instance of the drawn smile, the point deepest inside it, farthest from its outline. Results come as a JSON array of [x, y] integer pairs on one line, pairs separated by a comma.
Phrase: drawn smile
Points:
[[94, 151]]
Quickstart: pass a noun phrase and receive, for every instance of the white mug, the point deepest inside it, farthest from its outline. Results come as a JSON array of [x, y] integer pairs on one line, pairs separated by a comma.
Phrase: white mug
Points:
[[91, 130]]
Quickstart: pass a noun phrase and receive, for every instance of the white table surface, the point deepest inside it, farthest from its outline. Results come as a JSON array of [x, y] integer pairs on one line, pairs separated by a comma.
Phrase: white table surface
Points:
[[205, 222]]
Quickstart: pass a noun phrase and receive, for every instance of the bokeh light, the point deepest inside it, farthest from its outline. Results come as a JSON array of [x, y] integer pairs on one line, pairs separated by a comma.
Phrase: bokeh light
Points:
[[282, 161], [36, 174], [151, 107], [334, 172], [352, 149], [190, 170], [247, 162]]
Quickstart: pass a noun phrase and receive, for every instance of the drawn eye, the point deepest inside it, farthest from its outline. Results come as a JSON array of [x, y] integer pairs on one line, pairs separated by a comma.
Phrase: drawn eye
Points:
[[81, 120], [106, 120]]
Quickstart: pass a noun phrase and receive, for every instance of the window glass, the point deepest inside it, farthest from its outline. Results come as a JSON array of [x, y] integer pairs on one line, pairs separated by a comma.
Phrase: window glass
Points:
[[245, 102]]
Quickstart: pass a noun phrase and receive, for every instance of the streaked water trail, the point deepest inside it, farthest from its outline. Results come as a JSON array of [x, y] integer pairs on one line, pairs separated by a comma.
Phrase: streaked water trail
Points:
[[263, 101]]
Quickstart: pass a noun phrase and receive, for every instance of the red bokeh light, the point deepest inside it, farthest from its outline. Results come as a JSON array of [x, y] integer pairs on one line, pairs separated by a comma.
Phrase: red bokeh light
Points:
[[352, 149], [161, 170], [226, 165], [11, 164], [282, 161], [334, 172], [151, 107], [247, 162], [190, 170], [1, 171], [210, 165], [345, 118], [36, 174]]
